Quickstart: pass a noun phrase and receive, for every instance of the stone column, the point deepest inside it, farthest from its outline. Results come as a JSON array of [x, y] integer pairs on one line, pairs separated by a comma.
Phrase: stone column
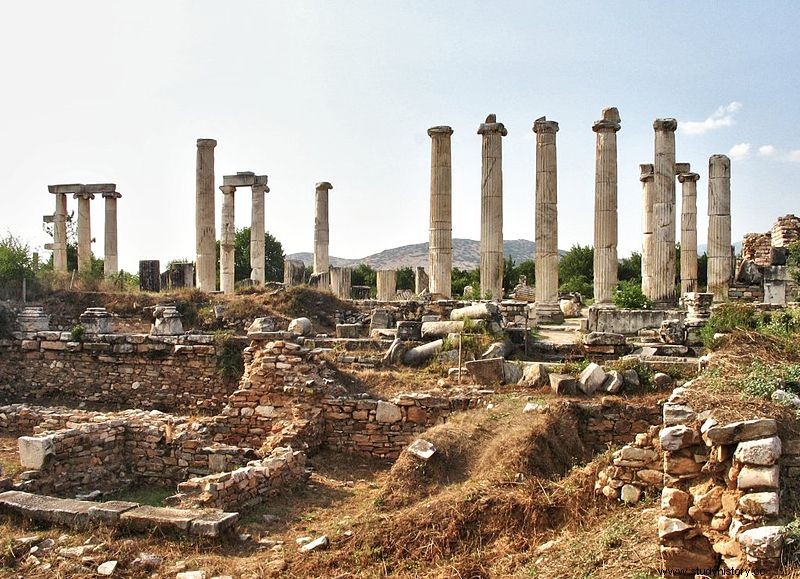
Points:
[[205, 222], [84, 231], [341, 282], [387, 285], [257, 236], [546, 308], [294, 272], [440, 247], [606, 265], [227, 241], [719, 226], [662, 283], [321, 234], [688, 231], [492, 208], [60, 234], [110, 256], [646, 177]]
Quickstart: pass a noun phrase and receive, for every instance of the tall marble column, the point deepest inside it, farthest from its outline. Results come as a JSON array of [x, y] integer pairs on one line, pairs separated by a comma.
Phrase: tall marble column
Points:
[[662, 283], [491, 264], [84, 231], [546, 308], [321, 233], [688, 182], [606, 265], [227, 244], [646, 177], [257, 235], [719, 226], [440, 247], [110, 256], [205, 219], [59, 245], [387, 285]]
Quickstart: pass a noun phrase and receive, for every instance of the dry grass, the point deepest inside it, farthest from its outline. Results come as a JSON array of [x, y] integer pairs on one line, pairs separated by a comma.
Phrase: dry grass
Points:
[[9, 456]]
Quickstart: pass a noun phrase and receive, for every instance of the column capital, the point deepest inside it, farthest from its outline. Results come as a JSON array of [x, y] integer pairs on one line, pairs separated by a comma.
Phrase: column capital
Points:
[[440, 130], [206, 143], [665, 125], [259, 188], [609, 122], [683, 177], [227, 189], [323, 186], [719, 166], [683, 168], [83, 195], [646, 172], [542, 125], [112, 195], [492, 126]]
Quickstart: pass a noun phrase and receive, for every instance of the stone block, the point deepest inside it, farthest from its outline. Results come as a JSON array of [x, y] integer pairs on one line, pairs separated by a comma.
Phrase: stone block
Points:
[[678, 437], [387, 412], [534, 375], [675, 502], [763, 542], [213, 524], [35, 450], [563, 384], [613, 383], [604, 339], [762, 452], [146, 518], [758, 477], [765, 504], [739, 431], [488, 372], [108, 513], [591, 379]]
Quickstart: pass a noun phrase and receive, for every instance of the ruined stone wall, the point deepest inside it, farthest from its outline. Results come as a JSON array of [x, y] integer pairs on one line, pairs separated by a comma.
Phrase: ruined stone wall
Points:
[[170, 373], [757, 247], [785, 231], [746, 293], [612, 423]]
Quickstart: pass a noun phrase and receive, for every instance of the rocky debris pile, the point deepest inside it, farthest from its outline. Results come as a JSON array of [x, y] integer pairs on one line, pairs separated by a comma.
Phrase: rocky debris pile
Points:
[[635, 468], [604, 345]]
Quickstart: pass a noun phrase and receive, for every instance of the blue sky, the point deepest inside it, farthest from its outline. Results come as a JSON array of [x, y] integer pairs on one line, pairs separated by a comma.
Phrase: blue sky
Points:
[[306, 91]]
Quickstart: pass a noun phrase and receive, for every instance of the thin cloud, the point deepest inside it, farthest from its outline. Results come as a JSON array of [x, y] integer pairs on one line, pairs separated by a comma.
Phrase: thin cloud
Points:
[[722, 117], [740, 151], [794, 155], [767, 151]]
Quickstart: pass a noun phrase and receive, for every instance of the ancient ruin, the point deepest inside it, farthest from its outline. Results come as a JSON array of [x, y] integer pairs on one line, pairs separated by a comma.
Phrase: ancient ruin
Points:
[[492, 207]]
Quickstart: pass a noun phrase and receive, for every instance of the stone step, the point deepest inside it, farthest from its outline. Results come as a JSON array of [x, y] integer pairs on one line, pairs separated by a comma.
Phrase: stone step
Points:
[[131, 516]]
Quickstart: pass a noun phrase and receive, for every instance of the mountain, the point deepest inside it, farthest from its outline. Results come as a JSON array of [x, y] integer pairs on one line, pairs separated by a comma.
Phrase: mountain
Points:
[[703, 248], [466, 255]]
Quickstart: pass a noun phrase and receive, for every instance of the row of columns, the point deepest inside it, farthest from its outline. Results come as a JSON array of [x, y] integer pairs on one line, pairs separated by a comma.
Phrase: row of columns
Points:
[[84, 194]]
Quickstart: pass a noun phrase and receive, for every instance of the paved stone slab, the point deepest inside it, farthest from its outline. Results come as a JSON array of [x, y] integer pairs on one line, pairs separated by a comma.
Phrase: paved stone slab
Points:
[[146, 518], [69, 512], [213, 524], [110, 511]]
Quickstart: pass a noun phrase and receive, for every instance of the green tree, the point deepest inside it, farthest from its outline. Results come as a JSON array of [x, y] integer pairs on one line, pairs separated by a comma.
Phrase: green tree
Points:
[[15, 259], [460, 278], [364, 275], [630, 268], [273, 253], [576, 270], [512, 273], [405, 279]]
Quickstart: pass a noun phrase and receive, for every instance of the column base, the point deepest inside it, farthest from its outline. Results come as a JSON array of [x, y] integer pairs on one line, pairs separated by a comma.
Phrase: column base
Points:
[[547, 313]]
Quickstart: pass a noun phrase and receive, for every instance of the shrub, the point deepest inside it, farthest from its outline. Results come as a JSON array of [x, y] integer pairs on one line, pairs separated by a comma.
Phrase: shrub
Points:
[[230, 361], [628, 294], [728, 317], [76, 333]]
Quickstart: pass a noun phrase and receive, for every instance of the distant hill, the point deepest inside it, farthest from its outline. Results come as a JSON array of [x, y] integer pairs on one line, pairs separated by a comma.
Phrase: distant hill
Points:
[[466, 255], [703, 248]]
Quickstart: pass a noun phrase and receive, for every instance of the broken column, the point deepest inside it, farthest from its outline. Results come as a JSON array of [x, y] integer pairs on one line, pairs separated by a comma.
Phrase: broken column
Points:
[[605, 207], [294, 272], [257, 234], [84, 231], [387, 285], [688, 231], [440, 247], [491, 264], [150, 275], [227, 243], [110, 256], [546, 308], [59, 245], [341, 282], [205, 224], [421, 281], [719, 226], [321, 235], [646, 177], [662, 282]]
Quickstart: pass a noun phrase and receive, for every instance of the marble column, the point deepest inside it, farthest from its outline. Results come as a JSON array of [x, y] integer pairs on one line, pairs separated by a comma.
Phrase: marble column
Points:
[[440, 247], [606, 265], [719, 226], [662, 283], [341, 282], [60, 234], [257, 235], [321, 233], [227, 243], [491, 263], [84, 231], [546, 308], [110, 256], [387, 285], [646, 177], [688, 182], [205, 219]]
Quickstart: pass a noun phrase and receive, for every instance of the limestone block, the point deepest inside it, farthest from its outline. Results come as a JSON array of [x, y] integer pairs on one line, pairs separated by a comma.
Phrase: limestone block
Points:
[[695, 554], [212, 524], [591, 379], [512, 372], [678, 437], [563, 384], [534, 375], [675, 502], [613, 383], [738, 431], [766, 504], [669, 527], [758, 477], [109, 512], [34, 450], [265, 324], [488, 372], [763, 542], [604, 339], [631, 378], [675, 414], [763, 452], [630, 494], [422, 449], [709, 501], [486, 311], [300, 327], [570, 308], [387, 412]]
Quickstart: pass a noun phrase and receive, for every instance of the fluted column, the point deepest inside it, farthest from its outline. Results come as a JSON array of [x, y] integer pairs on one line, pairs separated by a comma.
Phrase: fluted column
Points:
[[205, 219], [341, 282], [257, 235], [719, 226], [84, 231], [646, 177], [492, 208], [662, 283], [321, 235], [227, 244], [110, 256], [60, 234], [688, 231], [440, 247], [606, 265], [387, 285]]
